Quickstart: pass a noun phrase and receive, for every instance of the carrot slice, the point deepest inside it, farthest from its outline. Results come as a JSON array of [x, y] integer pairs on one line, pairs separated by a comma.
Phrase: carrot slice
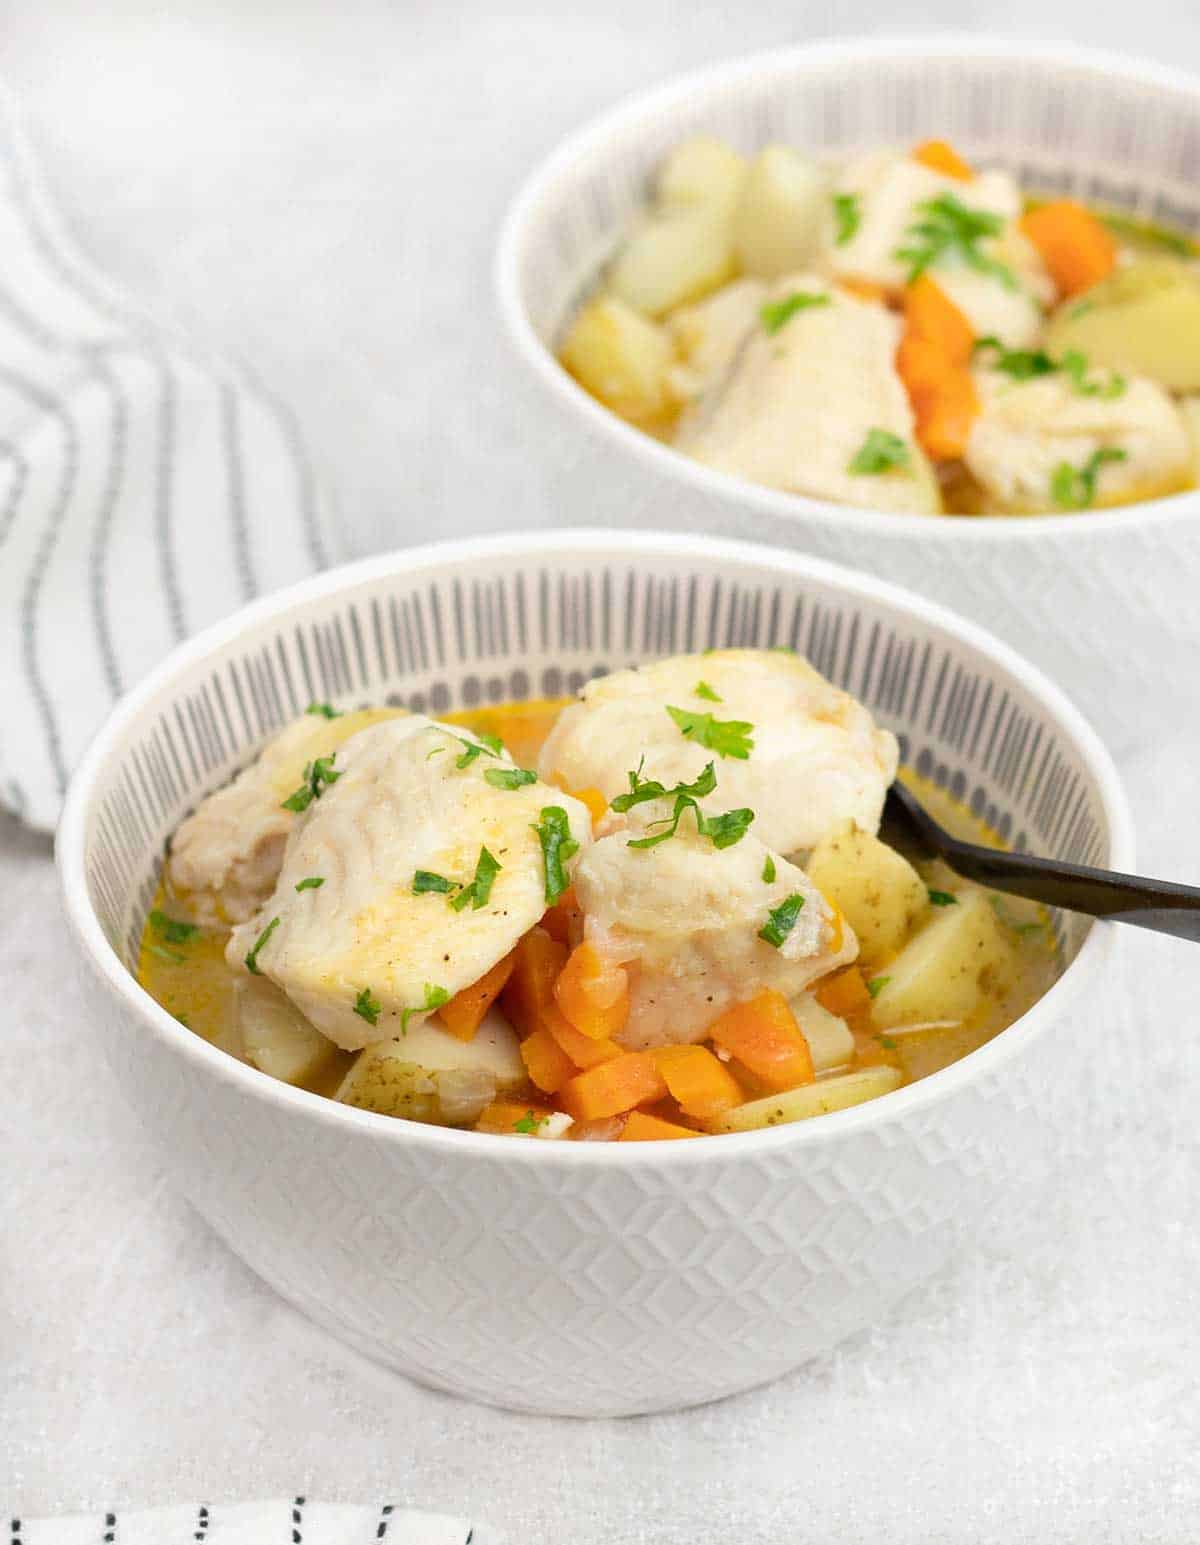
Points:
[[593, 993], [942, 157], [464, 1014], [700, 1083], [563, 916], [641, 1128], [844, 993], [929, 313], [932, 361], [763, 1034], [864, 289], [613, 1087], [583, 1051], [506, 1116], [1076, 247], [547, 1064], [539, 959]]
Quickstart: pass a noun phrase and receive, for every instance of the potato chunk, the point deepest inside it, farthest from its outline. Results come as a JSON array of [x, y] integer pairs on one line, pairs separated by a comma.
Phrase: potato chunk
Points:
[[827, 1094], [880, 893], [830, 1041], [622, 358], [1143, 319], [949, 968], [675, 257], [275, 1035], [701, 171], [778, 226]]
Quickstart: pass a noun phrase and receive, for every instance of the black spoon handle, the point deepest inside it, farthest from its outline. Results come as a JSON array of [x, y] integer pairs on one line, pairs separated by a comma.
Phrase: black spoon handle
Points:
[[1161, 905]]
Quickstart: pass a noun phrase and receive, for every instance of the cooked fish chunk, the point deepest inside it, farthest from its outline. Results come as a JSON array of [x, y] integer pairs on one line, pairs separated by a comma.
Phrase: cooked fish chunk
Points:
[[1029, 431], [803, 394], [816, 759], [364, 954], [687, 916], [226, 855]]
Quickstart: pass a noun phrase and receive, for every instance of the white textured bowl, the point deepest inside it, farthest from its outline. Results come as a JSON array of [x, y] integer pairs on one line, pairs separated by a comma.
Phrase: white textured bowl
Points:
[[583, 1278], [1092, 598]]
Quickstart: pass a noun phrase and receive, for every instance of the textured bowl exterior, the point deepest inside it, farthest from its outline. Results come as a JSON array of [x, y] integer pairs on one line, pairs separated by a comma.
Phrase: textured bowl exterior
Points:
[[1090, 598], [573, 1278]]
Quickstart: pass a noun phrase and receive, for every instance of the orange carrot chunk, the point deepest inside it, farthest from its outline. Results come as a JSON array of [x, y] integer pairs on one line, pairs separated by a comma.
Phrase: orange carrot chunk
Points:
[[763, 1034], [583, 1051], [929, 313], [593, 993], [463, 1015], [641, 1128], [613, 1087], [547, 1064], [844, 993], [508, 1116], [1076, 247], [932, 361], [699, 1083], [939, 156], [539, 959], [564, 915]]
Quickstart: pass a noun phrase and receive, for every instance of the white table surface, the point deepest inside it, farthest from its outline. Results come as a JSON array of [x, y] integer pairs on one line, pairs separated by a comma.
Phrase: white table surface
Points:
[[317, 187]]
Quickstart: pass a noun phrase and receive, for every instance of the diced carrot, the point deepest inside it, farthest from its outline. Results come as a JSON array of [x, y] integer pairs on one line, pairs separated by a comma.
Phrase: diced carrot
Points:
[[929, 313], [944, 425], [583, 1051], [547, 1064], [941, 157], [641, 1128], [844, 993], [463, 1015], [1076, 247], [564, 916], [864, 289], [763, 1034], [539, 959], [593, 993], [613, 1087], [700, 1083], [505, 1116]]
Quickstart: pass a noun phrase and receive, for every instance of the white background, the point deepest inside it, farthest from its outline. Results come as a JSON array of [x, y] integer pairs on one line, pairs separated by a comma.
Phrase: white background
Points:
[[317, 187]]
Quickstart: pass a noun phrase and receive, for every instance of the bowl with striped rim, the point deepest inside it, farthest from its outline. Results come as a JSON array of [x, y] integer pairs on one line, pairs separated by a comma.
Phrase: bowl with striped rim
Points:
[[1090, 597], [585, 1278]]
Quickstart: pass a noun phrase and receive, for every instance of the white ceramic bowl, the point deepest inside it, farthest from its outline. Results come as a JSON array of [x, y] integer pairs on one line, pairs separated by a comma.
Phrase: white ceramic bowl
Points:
[[583, 1278], [1095, 599]]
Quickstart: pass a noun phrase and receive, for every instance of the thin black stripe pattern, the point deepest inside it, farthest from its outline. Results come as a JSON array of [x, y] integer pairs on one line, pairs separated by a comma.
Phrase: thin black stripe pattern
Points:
[[297, 1521]]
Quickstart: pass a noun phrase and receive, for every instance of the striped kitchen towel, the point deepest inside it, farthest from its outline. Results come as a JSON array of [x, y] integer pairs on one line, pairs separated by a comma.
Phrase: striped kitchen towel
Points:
[[294, 1521], [145, 491]]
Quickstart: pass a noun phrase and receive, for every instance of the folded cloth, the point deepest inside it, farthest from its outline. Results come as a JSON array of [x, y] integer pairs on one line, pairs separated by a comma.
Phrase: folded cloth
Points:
[[145, 491], [294, 1521]]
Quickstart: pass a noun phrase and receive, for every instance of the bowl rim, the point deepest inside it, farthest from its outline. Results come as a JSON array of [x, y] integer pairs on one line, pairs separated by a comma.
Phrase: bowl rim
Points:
[[664, 460], [209, 1060]]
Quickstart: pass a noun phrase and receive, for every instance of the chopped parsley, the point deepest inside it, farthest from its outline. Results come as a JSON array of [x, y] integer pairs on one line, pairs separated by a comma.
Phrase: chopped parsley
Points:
[[509, 777], [252, 957], [1075, 365], [173, 957], [727, 737], [482, 745], [424, 881], [529, 1123], [434, 998], [171, 929], [880, 452], [948, 229], [313, 883], [887, 1042], [847, 216], [1074, 488], [768, 873], [476, 893], [318, 775], [367, 1007], [781, 920], [702, 689], [876, 985], [776, 314], [942, 899], [558, 846], [1020, 364], [323, 710], [721, 830], [643, 789]]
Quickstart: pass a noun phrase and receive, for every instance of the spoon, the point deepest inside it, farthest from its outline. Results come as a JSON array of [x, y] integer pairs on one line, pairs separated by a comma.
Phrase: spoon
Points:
[[1121, 898]]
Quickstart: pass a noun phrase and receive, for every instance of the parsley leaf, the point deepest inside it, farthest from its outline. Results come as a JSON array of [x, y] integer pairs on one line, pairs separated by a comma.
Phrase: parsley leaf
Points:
[[888, 1043], [949, 229], [171, 929], [643, 789], [880, 452], [509, 777], [529, 1123], [847, 215], [367, 1007], [943, 899], [1075, 365], [876, 985], [723, 831], [776, 314], [324, 710], [781, 920], [727, 737], [313, 883], [768, 873], [702, 689], [1074, 488], [482, 745], [476, 893], [318, 775], [1020, 364], [173, 957], [252, 957], [434, 998], [424, 880], [558, 846]]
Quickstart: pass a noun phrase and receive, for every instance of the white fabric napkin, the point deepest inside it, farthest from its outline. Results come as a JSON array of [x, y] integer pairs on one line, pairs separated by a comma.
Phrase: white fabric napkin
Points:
[[145, 491], [283, 1521]]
